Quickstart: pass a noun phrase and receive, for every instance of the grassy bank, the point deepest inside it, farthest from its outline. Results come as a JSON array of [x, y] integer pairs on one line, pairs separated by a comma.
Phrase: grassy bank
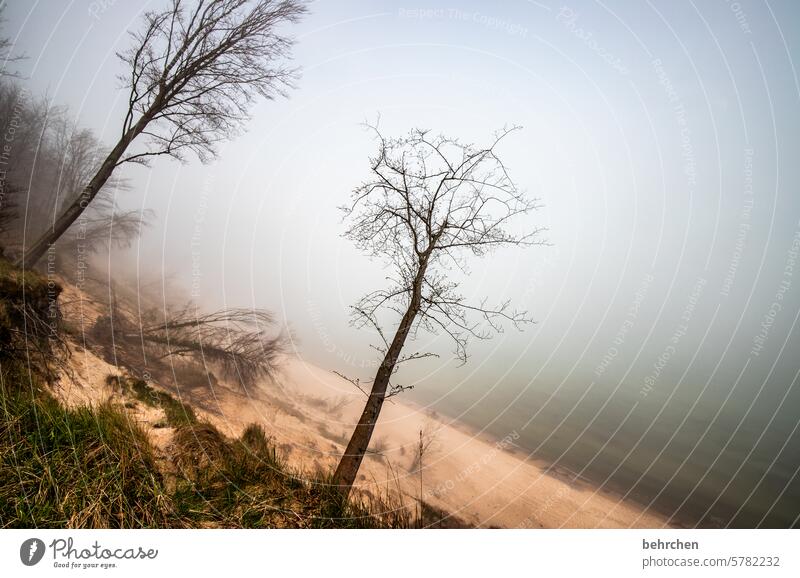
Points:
[[95, 467]]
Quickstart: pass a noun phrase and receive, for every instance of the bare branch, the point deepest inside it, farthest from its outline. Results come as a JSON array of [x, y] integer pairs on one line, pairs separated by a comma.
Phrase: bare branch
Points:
[[356, 382], [429, 199], [195, 69], [6, 51], [238, 340]]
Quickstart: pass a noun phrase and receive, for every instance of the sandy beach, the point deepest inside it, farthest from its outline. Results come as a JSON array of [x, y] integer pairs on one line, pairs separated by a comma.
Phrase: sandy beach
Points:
[[486, 482]]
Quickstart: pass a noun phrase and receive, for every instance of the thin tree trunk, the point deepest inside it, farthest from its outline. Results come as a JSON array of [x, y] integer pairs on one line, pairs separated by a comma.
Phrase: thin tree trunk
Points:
[[37, 250], [421, 451], [346, 471]]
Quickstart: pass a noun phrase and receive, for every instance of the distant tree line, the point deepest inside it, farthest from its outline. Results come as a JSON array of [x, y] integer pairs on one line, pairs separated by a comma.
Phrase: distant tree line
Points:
[[45, 159]]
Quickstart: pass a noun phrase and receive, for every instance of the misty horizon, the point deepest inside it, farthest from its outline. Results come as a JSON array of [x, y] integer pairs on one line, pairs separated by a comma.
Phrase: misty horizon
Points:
[[661, 142]]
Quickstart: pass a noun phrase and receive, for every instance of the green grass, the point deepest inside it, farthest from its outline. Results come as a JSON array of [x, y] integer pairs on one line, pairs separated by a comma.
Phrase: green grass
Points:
[[177, 413], [243, 483], [73, 468]]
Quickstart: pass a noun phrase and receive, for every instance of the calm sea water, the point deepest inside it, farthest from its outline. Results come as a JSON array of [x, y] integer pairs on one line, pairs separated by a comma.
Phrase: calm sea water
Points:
[[723, 456]]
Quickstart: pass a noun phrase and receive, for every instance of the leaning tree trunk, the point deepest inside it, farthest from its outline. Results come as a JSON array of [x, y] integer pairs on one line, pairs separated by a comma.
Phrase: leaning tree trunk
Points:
[[36, 251], [348, 466]]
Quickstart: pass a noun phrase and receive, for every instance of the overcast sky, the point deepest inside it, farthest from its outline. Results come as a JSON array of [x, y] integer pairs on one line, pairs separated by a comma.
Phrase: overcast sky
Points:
[[661, 137]]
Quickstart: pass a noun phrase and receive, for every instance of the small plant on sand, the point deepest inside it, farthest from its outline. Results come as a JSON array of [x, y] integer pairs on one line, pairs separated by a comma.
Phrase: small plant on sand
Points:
[[176, 412]]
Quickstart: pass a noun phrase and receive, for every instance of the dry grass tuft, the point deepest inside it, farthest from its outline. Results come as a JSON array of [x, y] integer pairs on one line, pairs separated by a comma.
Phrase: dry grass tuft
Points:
[[198, 448]]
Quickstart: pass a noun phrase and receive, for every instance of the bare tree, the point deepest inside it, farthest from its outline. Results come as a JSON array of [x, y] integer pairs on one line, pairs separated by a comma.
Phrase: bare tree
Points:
[[70, 156], [429, 202], [193, 72], [428, 444], [239, 341], [51, 159], [236, 339], [6, 48], [26, 120], [77, 156], [428, 441], [105, 227]]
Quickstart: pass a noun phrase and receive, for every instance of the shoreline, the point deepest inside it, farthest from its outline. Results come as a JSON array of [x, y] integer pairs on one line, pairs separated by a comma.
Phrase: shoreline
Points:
[[560, 472], [473, 474]]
